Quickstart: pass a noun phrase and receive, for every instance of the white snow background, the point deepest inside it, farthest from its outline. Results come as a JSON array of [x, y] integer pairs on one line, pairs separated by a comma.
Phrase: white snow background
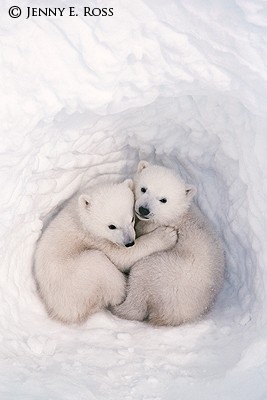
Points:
[[179, 82]]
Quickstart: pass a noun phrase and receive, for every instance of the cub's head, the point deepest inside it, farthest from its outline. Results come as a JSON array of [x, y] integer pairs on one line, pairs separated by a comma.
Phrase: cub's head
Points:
[[160, 195], [108, 212]]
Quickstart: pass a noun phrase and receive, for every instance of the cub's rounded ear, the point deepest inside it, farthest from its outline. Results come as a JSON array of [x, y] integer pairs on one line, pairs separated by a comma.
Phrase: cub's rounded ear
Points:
[[190, 191], [85, 201], [142, 165], [129, 183]]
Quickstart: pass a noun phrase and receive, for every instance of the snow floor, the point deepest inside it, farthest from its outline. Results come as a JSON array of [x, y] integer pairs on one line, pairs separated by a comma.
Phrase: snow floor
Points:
[[179, 82]]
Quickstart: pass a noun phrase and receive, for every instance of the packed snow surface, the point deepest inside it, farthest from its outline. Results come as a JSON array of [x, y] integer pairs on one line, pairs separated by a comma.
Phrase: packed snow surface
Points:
[[178, 82]]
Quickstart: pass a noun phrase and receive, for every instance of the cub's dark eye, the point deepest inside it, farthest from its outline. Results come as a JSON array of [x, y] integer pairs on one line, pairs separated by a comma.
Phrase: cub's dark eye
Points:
[[143, 190], [163, 200], [132, 219], [112, 227]]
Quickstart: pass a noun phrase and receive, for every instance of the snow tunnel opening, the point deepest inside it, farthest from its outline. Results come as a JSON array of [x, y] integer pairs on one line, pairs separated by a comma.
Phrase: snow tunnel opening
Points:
[[198, 136], [195, 135]]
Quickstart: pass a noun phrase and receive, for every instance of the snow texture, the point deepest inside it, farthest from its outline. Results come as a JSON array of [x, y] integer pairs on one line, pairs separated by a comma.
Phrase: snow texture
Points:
[[182, 83]]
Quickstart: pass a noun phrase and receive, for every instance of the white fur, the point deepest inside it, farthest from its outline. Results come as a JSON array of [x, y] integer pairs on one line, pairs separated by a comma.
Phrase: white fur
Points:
[[78, 258], [179, 285]]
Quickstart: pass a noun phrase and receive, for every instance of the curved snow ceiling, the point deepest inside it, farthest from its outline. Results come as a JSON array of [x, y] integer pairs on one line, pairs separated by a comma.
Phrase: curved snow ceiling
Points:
[[183, 84]]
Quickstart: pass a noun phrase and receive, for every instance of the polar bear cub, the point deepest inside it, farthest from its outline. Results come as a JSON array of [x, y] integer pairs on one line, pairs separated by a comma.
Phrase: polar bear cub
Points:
[[178, 285], [82, 251]]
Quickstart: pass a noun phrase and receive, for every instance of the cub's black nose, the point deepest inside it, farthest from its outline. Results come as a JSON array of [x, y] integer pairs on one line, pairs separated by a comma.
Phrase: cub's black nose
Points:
[[129, 244], [143, 211]]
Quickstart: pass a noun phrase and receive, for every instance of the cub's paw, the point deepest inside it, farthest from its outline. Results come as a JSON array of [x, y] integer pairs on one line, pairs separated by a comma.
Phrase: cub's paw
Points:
[[118, 294], [168, 236]]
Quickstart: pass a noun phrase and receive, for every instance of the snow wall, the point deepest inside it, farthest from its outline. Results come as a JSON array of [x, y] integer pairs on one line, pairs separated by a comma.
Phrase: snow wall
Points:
[[182, 83]]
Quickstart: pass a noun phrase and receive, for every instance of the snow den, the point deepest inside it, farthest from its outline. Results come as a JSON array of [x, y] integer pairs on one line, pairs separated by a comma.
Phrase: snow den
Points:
[[180, 83]]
